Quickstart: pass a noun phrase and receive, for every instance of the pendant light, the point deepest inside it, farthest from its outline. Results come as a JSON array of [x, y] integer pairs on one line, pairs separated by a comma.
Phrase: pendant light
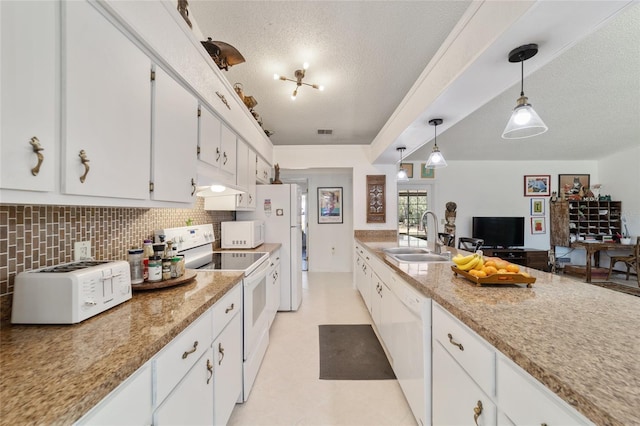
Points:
[[402, 173], [436, 160], [524, 121]]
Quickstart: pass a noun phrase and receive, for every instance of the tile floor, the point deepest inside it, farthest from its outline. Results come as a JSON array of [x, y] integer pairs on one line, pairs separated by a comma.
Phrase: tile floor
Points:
[[288, 391]]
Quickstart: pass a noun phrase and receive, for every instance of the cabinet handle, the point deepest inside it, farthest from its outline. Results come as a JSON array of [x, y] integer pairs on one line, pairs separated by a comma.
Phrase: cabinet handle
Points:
[[193, 185], [250, 198], [187, 353], [477, 411], [220, 352], [223, 99], [85, 162], [239, 198], [210, 370], [217, 154], [37, 148], [229, 309], [454, 343], [225, 158]]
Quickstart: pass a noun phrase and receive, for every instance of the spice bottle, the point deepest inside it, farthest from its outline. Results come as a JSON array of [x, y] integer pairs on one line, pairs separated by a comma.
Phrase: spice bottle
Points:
[[147, 246], [175, 267], [166, 268]]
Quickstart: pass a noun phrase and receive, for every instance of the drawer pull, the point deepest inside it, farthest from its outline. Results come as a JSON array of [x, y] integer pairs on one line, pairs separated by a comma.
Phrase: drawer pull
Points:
[[187, 353], [454, 343], [193, 185], [230, 308], [210, 370], [477, 411], [37, 148], [223, 99], [220, 353], [85, 162]]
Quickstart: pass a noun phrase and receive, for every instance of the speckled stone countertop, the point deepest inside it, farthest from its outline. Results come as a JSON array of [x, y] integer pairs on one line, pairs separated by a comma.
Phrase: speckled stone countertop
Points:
[[53, 374], [580, 340]]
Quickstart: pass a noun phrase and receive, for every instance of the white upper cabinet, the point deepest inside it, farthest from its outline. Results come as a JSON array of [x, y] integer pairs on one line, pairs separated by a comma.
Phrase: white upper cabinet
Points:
[[175, 138], [209, 138], [228, 144], [263, 171], [106, 137], [29, 77]]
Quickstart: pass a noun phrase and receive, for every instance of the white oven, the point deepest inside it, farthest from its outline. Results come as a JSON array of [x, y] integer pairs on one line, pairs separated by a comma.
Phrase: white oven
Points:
[[255, 307]]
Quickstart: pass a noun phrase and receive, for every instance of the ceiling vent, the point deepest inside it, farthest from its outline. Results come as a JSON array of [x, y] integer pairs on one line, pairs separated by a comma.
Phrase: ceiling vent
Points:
[[325, 131]]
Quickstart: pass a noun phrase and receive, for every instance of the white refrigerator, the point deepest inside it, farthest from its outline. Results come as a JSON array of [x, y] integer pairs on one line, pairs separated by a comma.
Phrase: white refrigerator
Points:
[[280, 208]]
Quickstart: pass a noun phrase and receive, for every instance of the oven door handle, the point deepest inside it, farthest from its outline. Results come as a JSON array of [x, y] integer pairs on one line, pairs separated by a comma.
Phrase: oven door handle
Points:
[[252, 280]]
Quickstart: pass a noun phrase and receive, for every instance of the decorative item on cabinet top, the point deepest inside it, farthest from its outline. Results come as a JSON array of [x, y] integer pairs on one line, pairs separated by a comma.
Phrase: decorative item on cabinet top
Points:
[[223, 54]]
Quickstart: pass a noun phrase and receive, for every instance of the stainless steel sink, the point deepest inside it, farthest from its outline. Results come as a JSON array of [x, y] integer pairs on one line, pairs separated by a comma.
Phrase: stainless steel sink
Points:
[[420, 257], [405, 250]]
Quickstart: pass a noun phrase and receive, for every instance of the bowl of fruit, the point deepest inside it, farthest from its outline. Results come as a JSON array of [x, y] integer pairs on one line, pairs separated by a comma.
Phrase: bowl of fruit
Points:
[[481, 269]]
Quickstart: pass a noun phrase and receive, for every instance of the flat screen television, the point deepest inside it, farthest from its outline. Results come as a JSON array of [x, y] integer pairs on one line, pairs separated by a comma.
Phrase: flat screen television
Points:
[[499, 232]]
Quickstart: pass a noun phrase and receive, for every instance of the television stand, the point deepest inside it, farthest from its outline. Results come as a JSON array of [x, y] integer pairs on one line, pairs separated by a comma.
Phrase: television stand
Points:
[[531, 258]]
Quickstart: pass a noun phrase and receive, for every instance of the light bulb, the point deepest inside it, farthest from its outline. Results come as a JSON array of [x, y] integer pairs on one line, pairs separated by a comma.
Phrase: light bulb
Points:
[[305, 65], [437, 157], [276, 76], [217, 188], [321, 88], [523, 116]]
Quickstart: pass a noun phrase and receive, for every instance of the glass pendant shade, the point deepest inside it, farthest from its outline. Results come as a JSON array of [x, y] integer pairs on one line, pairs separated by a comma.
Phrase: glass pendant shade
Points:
[[402, 176], [524, 122], [435, 160]]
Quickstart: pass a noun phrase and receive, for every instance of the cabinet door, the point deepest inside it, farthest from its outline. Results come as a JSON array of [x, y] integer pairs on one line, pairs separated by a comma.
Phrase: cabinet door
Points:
[[252, 163], [456, 397], [263, 171], [129, 404], [242, 177], [191, 402], [29, 86], [228, 144], [227, 350], [376, 300], [209, 138], [107, 108], [175, 138]]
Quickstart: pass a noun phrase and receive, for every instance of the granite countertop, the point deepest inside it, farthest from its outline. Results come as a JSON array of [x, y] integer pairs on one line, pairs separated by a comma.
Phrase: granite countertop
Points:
[[580, 340], [54, 374]]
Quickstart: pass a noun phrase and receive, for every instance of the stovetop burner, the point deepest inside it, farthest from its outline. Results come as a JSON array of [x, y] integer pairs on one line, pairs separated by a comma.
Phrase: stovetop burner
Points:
[[74, 266]]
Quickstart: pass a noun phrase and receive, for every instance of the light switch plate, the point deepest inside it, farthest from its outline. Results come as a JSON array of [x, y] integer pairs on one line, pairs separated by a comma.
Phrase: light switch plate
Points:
[[81, 250]]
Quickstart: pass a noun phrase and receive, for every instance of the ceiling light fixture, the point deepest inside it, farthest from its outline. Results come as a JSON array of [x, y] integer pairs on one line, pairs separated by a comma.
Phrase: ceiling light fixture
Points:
[[524, 121], [299, 74], [402, 173], [436, 160]]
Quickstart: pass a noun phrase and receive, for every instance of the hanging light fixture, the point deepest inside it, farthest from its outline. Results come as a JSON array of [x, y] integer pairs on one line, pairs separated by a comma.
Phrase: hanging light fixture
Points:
[[402, 173], [524, 121], [436, 160], [299, 74]]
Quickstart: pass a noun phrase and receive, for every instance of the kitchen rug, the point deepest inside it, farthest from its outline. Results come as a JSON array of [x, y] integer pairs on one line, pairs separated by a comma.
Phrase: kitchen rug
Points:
[[634, 291], [352, 352]]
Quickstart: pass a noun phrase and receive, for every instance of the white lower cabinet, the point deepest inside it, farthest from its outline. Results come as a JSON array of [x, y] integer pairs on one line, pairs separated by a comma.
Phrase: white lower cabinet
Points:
[[191, 401], [129, 404], [457, 399], [227, 369]]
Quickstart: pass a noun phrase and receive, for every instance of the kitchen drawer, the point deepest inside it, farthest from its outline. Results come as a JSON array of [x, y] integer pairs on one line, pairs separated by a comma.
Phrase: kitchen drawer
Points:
[[475, 355], [226, 308], [179, 355], [526, 401]]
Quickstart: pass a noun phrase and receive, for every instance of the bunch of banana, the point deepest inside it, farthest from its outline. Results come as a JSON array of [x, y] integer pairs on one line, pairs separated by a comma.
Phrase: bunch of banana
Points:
[[467, 263]]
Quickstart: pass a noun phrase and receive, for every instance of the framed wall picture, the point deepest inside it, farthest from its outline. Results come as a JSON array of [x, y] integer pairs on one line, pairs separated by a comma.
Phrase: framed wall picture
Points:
[[427, 173], [408, 167], [376, 202], [537, 185], [572, 184], [537, 206], [330, 205], [538, 225]]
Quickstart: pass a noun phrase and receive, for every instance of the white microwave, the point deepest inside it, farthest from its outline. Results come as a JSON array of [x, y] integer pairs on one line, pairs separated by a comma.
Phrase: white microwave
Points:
[[245, 234]]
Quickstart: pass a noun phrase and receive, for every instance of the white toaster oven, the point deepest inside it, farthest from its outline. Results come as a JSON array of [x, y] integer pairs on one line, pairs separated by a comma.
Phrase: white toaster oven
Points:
[[70, 293]]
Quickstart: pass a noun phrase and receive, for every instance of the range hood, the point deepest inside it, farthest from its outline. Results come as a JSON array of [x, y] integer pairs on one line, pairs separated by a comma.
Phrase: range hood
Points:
[[213, 184]]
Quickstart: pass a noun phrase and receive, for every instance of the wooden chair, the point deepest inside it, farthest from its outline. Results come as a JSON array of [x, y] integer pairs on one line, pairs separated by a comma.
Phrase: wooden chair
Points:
[[447, 239], [630, 261], [470, 244]]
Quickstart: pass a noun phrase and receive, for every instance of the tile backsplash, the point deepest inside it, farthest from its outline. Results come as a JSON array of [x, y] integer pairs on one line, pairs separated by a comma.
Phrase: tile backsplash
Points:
[[36, 236]]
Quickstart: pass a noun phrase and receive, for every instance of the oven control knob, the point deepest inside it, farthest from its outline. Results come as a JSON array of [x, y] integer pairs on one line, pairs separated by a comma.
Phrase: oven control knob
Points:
[[182, 239], [90, 303]]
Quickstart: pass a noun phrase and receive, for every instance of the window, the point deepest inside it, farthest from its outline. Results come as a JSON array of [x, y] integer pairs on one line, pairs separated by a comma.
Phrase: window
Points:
[[412, 203]]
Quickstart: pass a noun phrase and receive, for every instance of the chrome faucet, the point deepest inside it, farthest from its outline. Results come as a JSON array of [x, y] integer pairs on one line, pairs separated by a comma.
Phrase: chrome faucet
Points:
[[436, 245]]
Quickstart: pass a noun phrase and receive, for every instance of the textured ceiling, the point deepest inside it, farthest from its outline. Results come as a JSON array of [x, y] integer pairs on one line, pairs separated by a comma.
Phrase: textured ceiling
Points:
[[368, 54]]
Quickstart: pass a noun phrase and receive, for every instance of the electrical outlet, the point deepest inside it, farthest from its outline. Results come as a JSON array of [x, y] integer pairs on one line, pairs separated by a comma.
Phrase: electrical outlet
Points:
[[81, 250]]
